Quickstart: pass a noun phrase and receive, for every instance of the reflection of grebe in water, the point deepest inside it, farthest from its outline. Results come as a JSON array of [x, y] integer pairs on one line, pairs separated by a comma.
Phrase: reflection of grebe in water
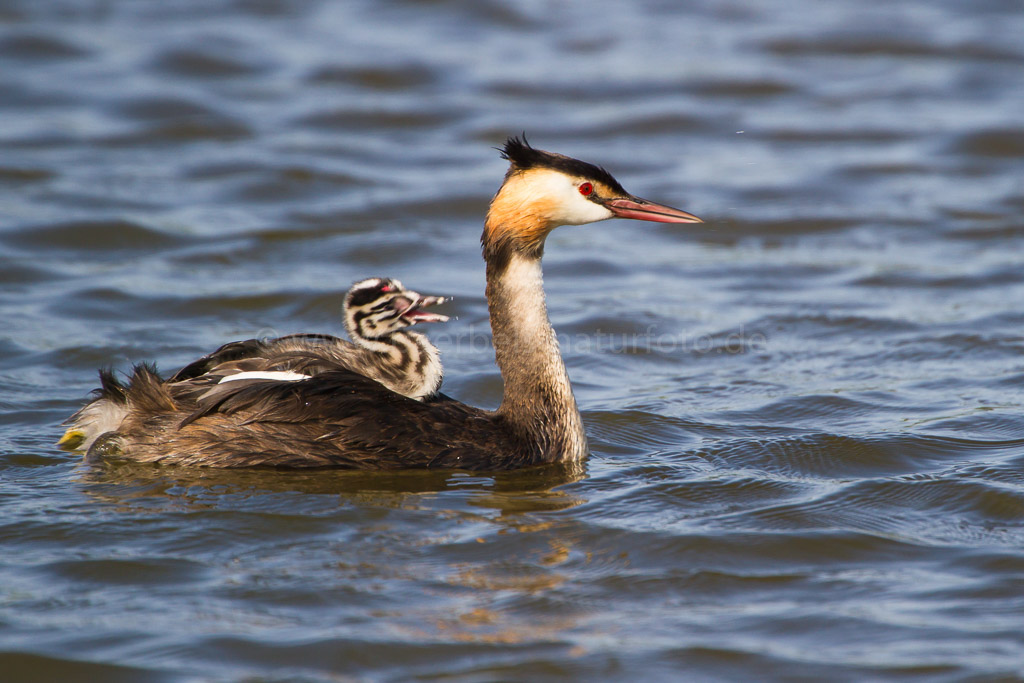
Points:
[[338, 418], [377, 313]]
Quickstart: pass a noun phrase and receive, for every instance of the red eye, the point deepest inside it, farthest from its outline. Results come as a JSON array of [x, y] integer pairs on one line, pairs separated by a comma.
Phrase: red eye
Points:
[[586, 189], [386, 288]]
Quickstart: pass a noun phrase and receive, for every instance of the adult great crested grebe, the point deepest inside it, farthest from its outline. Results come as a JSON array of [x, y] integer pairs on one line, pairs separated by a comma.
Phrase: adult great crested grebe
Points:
[[338, 418], [377, 313]]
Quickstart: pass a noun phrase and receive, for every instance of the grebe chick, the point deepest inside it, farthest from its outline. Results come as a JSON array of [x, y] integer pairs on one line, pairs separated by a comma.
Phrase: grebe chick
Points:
[[377, 313], [338, 418]]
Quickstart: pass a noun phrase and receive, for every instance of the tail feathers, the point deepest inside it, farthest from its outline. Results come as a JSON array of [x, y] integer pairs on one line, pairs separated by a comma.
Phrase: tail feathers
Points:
[[110, 388], [147, 393], [110, 405]]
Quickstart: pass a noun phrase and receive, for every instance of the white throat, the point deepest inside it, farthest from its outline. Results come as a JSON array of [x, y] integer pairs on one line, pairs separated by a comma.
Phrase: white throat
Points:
[[523, 282]]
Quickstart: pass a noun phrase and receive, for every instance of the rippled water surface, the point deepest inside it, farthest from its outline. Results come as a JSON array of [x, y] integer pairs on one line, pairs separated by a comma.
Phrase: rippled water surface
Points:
[[805, 416]]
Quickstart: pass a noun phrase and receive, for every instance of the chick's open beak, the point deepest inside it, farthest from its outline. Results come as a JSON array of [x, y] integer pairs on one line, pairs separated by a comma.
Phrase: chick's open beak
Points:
[[413, 308]]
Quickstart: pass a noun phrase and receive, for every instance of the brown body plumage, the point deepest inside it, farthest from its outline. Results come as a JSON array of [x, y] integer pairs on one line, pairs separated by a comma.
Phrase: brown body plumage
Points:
[[338, 418], [377, 312]]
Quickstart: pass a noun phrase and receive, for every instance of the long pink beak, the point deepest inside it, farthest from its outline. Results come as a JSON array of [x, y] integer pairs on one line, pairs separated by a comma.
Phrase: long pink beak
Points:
[[643, 210]]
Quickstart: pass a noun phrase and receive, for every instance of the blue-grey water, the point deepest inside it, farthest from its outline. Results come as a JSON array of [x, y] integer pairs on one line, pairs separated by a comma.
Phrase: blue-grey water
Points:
[[805, 415]]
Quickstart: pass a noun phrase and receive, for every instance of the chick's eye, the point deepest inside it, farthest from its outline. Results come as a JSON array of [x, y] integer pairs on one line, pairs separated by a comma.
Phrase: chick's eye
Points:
[[586, 189]]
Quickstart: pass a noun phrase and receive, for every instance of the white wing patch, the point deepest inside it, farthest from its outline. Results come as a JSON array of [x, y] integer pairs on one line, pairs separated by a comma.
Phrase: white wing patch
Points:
[[278, 375]]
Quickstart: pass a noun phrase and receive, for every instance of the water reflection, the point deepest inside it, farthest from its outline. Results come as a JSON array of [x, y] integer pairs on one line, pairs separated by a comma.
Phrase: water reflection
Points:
[[508, 493], [478, 556]]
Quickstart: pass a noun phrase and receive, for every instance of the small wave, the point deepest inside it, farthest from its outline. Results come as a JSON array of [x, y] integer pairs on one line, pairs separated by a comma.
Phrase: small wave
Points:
[[873, 45], [204, 62], [941, 510], [349, 119], [30, 47], [385, 77], [639, 430], [36, 664], [25, 175], [150, 571], [113, 235], [1000, 143]]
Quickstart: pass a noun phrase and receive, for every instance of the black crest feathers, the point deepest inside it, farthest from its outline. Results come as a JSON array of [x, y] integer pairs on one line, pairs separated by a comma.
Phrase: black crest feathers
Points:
[[522, 156]]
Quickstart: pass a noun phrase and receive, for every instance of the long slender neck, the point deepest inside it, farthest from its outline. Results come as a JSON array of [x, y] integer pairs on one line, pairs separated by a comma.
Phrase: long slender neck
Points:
[[538, 402]]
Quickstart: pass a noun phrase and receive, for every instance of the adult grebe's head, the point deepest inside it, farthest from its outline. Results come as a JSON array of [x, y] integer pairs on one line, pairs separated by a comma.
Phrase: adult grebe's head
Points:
[[543, 190], [377, 307]]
